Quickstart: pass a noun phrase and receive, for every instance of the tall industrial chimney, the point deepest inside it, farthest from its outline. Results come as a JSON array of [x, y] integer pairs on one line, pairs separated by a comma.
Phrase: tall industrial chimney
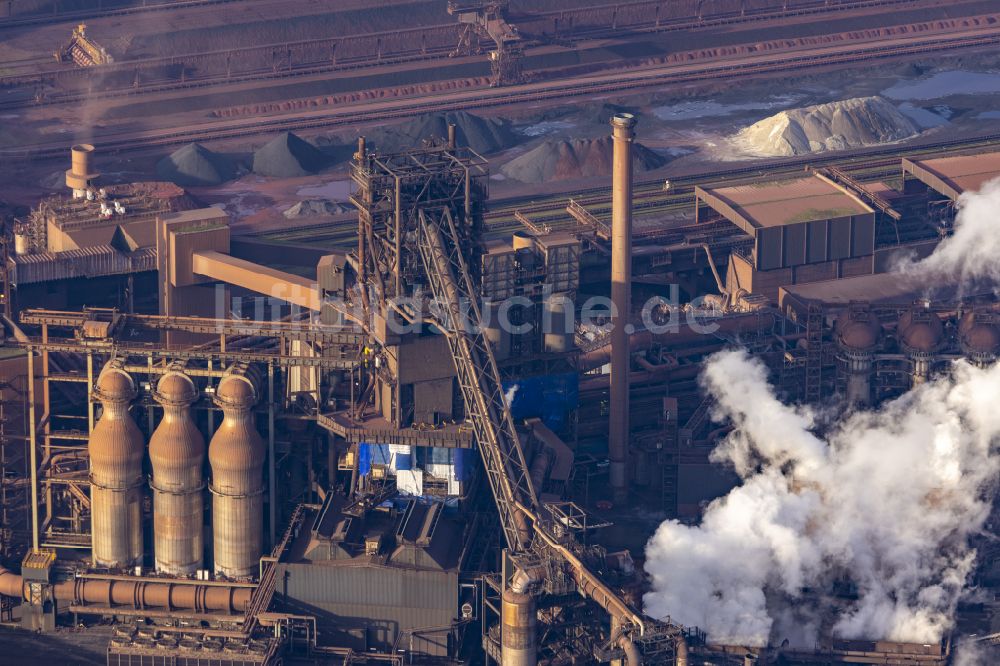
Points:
[[236, 454], [623, 133], [177, 454], [116, 450]]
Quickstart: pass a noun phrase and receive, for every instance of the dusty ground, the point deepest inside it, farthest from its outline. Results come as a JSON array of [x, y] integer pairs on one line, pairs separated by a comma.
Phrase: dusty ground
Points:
[[65, 646]]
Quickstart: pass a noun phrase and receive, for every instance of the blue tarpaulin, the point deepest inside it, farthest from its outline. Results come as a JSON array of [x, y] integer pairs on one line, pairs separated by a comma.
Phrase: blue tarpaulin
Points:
[[546, 396]]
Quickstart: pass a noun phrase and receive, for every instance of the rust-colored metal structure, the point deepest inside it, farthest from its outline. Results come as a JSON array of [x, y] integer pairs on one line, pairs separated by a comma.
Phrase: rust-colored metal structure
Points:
[[623, 134], [108, 592], [116, 449], [236, 454], [177, 455]]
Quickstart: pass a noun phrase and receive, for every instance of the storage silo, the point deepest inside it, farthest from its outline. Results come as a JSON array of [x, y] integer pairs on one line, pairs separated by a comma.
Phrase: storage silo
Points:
[[177, 454], [236, 455], [116, 450]]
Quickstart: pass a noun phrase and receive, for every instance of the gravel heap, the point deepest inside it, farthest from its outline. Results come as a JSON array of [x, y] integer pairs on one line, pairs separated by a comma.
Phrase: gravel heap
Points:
[[579, 158], [483, 135], [852, 123], [316, 207], [195, 165], [288, 156]]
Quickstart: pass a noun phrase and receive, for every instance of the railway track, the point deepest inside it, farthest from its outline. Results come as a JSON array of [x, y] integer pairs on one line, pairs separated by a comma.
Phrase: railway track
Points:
[[649, 197], [317, 56], [610, 83]]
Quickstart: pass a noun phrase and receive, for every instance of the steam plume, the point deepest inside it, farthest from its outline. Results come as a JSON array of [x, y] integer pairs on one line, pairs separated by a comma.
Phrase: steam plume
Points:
[[970, 253], [886, 500]]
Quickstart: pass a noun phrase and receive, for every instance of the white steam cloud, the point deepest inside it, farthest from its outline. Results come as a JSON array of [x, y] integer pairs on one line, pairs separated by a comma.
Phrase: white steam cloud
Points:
[[972, 252], [882, 501]]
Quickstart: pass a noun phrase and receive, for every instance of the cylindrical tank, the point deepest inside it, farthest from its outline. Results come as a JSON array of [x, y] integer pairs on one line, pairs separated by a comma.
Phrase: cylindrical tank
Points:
[[498, 336], [979, 338], [79, 177], [558, 323], [858, 332], [921, 335], [177, 454], [517, 630], [236, 454], [116, 450]]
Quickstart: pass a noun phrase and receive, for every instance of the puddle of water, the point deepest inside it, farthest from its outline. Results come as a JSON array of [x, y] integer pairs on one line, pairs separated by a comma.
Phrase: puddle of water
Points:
[[706, 109], [546, 127], [945, 84], [337, 190], [989, 115], [924, 118]]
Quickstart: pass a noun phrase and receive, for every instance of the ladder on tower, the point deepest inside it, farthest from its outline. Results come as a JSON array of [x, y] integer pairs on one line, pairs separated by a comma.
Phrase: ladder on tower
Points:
[[814, 354], [499, 445]]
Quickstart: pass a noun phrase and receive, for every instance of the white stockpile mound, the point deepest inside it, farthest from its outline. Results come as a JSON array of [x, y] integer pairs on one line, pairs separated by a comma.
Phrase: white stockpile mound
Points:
[[851, 123]]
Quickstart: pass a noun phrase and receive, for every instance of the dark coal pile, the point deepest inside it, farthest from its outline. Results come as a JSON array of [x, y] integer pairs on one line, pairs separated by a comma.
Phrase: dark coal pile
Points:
[[195, 165], [579, 158], [316, 207], [483, 135], [288, 156]]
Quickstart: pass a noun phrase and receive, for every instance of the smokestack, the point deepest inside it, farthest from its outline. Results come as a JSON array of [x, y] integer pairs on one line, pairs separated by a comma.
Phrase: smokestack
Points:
[[116, 450], [623, 133], [80, 177], [177, 454], [236, 455], [451, 136], [517, 632]]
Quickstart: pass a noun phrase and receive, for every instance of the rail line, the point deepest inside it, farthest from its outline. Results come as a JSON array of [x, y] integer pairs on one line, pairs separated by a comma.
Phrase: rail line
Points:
[[317, 56], [611, 83]]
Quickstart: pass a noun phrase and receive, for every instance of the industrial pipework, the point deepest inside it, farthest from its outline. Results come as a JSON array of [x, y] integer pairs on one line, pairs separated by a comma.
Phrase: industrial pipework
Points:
[[116, 450], [139, 593], [177, 454], [236, 454], [623, 134]]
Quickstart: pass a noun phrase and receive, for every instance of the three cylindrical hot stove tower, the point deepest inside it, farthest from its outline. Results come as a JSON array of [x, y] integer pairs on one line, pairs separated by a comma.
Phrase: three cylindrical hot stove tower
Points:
[[178, 481]]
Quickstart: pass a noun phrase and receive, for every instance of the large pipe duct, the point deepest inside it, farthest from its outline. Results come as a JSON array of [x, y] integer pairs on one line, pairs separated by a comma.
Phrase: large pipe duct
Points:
[[236, 454], [724, 327], [116, 450], [623, 134], [177, 454], [139, 593]]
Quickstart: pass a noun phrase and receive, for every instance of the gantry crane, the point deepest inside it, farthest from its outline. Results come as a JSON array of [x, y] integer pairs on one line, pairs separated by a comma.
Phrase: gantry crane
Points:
[[487, 19]]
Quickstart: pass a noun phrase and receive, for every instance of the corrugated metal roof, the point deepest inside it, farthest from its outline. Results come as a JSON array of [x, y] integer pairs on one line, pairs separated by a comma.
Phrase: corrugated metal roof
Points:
[[954, 175], [787, 202], [84, 262]]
